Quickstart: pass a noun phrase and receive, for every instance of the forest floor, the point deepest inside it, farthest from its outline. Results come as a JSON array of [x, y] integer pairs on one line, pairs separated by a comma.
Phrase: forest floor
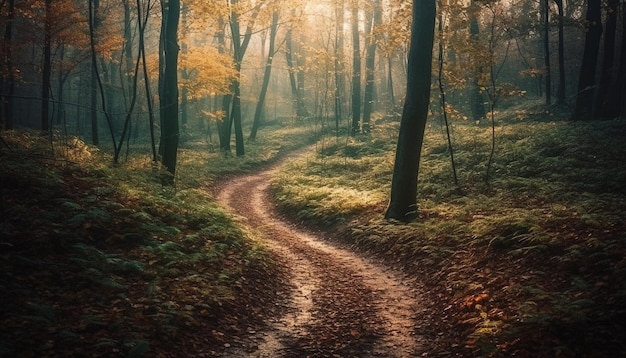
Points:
[[99, 260], [339, 304]]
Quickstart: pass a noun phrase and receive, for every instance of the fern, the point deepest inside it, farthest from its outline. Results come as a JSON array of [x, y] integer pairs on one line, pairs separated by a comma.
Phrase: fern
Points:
[[139, 349]]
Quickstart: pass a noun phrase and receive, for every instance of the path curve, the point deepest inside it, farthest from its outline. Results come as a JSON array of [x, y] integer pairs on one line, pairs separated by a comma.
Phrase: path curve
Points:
[[340, 304]]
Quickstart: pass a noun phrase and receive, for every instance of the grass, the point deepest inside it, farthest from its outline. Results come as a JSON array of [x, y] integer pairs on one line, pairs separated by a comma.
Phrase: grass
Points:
[[530, 263], [102, 260]]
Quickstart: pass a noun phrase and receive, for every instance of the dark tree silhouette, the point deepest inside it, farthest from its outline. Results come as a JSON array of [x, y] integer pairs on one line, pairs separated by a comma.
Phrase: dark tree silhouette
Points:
[[586, 79], [170, 130], [403, 203]]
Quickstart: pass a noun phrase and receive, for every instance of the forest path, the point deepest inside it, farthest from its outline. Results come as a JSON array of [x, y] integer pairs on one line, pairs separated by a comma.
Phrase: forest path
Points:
[[339, 303]]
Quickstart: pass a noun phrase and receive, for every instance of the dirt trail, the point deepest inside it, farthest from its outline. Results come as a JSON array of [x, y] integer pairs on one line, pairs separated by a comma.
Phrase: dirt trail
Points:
[[340, 304]]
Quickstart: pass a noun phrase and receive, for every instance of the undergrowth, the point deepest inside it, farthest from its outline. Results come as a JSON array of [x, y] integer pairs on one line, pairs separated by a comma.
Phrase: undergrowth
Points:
[[102, 260], [531, 263]]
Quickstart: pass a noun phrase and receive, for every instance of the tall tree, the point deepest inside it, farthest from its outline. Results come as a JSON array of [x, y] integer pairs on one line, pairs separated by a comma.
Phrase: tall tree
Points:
[[290, 56], [47, 68], [238, 52], [606, 106], [7, 77], [170, 130], [586, 79], [403, 203], [370, 62], [356, 69], [340, 79], [545, 25], [477, 105], [560, 91], [256, 123]]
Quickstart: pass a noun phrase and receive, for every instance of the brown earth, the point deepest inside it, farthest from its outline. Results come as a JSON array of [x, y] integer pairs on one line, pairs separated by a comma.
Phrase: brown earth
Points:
[[336, 303]]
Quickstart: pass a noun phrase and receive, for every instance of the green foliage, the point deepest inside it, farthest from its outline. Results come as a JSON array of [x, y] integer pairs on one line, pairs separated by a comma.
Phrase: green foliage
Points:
[[542, 241], [116, 261]]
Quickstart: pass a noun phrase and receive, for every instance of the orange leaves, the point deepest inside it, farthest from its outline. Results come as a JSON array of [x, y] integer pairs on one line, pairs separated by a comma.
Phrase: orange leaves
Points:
[[471, 301], [205, 71]]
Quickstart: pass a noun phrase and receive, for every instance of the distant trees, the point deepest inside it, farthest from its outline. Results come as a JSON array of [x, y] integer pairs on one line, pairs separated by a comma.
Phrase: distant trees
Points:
[[330, 60]]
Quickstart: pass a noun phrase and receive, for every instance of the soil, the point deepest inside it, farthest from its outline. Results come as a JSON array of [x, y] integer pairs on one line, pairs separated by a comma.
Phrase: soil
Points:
[[336, 302]]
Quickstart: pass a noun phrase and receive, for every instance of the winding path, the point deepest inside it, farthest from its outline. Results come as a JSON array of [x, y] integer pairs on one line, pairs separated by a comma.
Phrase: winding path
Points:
[[340, 304]]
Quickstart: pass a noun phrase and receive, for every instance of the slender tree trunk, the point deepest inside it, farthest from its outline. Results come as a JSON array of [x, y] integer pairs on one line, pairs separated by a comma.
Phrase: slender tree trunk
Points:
[[184, 92], [142, 52], [8, 79], [93, 111], [606, 106], [545, 18], [442, 94], [161, 78], [170, 89], [403, 203], [392, 97], [370, 62], [224, 125], [586, 79], [477, 105], [620, 88], [301, 111], [266, 77], [47, 68], [236, 100], [340, 82], [356, 70], [560, 92], [93, 6]]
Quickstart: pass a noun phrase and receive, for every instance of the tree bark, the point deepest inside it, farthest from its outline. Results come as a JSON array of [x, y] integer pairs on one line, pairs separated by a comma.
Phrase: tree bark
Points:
[[403, 203], [356, 71], [301, 111], [370, 62], [236, 99], [545, 19], [560, 91], [8, 78], [605, 105], [170, 136], [586, 79], [340, 82], [256, 123], [477, 106], [47, 69]]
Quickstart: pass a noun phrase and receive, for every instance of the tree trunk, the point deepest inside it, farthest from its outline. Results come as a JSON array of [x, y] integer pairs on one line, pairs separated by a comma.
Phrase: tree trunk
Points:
[[560, 91], [403, 203], [236, 104], [370, 62], [266, 78], [143, 22], [477, 106], [545, 19], [605, 105], [586, 79], [47, 69], [301, 111], [8, 78], [392, 97], [223, 125], [620, 88], [340, 82], [170, 129], [356, 71]]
